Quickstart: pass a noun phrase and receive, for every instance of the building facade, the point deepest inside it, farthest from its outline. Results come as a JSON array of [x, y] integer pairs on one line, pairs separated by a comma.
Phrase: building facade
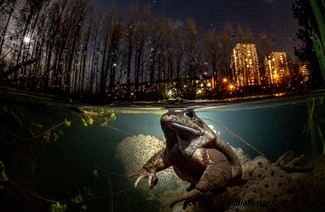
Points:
[[276, 67], [245, 70]]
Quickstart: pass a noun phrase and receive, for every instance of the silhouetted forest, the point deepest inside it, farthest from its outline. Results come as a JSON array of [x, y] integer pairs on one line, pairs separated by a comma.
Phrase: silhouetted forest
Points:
[[72, 47]]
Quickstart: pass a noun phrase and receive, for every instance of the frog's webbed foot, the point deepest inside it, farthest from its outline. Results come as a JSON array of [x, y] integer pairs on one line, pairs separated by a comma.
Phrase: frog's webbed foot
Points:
[[144, 173], [192, 196]]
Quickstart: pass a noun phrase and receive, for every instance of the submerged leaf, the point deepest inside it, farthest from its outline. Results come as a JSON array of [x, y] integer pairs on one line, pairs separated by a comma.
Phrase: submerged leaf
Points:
[[3, 175], [55, 136], [78, 199], [83, 207], [5, 108], [95, 173], [57, 207], [90, 120], [84, 122], [46, 136], [104, 122], [67, 123], [113, 116]]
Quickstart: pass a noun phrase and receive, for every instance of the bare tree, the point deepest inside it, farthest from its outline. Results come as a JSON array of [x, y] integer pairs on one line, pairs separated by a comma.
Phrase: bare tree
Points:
[[155, 47], [141, 35], [179, 51], [112, 31], [78, 13], [191, 48], [243, 35], [129, 39], [212, 52], [265, 44], [226, 36], [7, 8]]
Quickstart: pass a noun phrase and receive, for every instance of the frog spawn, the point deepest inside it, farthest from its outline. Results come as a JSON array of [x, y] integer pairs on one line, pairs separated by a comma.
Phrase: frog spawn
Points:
[[133, 152], [265, 181], [267, 186]]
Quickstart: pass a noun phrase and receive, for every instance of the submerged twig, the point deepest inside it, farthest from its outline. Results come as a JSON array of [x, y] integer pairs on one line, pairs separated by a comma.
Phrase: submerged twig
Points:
[[321, 138], [308, 124], [123, 131], [238, 137], [34, 194], [111, 198], [108, 172]]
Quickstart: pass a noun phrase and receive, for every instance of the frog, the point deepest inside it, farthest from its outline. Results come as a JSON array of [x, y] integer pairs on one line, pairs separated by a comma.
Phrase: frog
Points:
[[196, 154]]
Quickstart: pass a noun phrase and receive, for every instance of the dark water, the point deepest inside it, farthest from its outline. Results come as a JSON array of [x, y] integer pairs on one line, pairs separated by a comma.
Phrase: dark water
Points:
[[50, 161]]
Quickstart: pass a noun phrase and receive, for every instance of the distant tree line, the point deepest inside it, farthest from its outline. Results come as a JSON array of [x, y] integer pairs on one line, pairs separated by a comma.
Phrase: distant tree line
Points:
[[83, 50]]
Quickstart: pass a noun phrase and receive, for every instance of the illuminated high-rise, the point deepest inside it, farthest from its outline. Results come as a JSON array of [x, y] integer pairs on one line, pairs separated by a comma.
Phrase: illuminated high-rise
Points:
[[276, 67], [245, 70]]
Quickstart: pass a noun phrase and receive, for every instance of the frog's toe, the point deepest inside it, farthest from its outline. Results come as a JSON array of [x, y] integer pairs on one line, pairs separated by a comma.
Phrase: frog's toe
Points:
[[143, 173]]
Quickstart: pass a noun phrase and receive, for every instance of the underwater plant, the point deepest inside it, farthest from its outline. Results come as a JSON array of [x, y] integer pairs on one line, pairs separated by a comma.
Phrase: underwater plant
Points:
[[313, 126], [101, 115], [3, 176], [57, 207]]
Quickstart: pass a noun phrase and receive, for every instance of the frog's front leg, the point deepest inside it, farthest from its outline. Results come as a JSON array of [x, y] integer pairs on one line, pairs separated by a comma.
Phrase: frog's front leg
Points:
[[216, 175], [156, 163]]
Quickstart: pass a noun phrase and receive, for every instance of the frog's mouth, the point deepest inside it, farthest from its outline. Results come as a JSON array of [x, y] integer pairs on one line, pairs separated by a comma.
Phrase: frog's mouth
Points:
[[186, 128]]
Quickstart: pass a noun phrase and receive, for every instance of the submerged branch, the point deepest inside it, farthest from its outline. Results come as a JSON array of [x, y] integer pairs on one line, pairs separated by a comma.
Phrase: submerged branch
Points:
[[34, 194], [111, 173], [238, 137]]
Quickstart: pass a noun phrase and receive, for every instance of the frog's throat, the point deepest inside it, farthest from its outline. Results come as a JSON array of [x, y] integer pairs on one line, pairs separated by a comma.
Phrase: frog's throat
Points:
[[187, 128]]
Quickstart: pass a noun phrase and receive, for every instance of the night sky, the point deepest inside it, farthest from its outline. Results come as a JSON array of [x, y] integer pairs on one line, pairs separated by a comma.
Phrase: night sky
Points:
[[272, 16]]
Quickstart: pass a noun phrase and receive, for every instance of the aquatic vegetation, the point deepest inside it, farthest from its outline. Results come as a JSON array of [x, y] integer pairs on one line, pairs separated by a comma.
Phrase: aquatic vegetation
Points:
[[313, 125], [67, 122], [95, 173], [3, 176], [100, 115], [57, 207], [79, 201], [86, 120]]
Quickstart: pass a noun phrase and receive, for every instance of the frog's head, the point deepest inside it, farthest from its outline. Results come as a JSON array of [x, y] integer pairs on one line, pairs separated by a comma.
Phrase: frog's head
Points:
[[184, 124]]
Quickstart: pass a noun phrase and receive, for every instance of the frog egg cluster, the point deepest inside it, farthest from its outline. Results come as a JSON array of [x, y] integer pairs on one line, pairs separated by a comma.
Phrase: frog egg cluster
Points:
[[133, 152], [319, 175], [268, 186], [240, 153]]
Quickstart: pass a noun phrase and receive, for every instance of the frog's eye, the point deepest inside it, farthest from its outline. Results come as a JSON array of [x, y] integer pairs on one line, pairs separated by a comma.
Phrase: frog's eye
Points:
[[190, 114]]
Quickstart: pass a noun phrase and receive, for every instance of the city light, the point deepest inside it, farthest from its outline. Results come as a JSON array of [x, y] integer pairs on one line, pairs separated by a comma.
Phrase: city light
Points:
[[224, 80], [231, 87]]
